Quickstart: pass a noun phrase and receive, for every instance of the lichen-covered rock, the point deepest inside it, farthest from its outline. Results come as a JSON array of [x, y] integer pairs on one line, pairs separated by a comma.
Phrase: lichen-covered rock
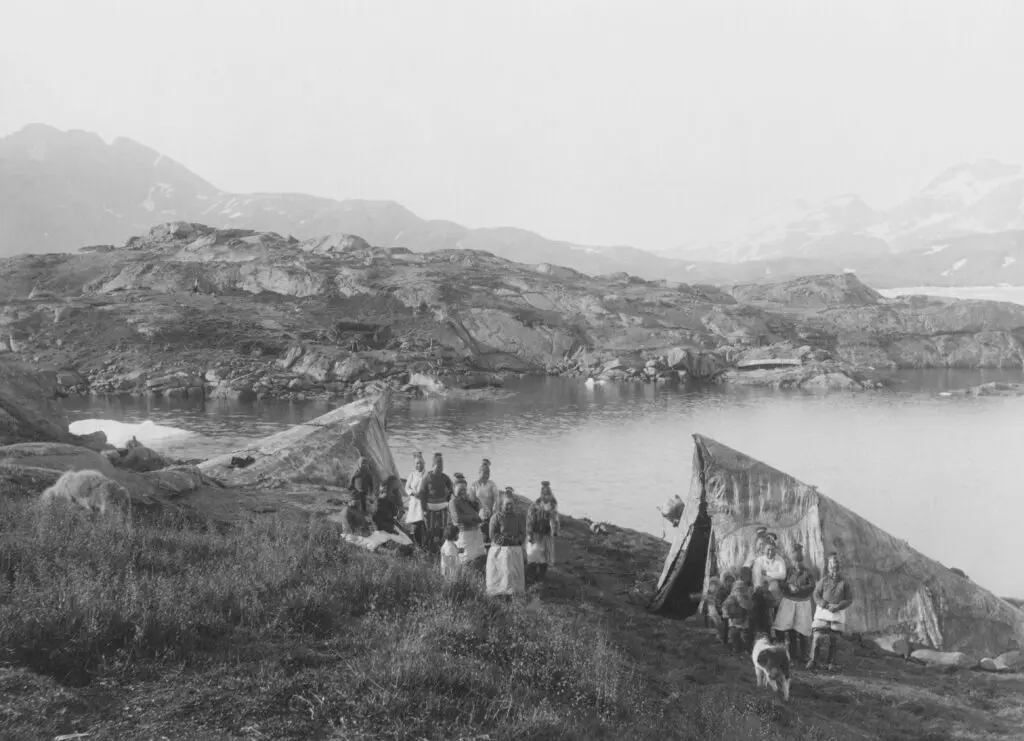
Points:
[[28, 410]]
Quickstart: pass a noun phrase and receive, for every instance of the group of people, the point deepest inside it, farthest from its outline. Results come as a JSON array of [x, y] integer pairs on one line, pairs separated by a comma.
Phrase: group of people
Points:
[[770, 596], [474, 526]]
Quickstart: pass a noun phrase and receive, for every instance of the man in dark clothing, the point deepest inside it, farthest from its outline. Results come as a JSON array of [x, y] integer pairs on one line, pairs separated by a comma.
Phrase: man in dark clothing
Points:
[[761, 613], [362, 484], [435, 491]]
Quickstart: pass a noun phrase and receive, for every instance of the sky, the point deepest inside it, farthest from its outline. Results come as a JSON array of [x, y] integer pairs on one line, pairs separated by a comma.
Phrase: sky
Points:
[[651, 124]]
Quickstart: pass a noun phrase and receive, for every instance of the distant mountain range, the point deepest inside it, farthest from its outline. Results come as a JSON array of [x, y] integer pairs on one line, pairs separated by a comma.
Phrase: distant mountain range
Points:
[[61, 190]]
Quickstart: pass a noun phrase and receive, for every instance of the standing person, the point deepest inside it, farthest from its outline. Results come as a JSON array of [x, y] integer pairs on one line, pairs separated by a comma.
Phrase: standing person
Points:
[[769, 571], [721, 595], [760, 534], [465, 515], [832, 596], [435, 491], [796, 609], [738, 606], [450, 553], [363, 485], [414, 512], [542, 527], [506, 573], [485, 493]]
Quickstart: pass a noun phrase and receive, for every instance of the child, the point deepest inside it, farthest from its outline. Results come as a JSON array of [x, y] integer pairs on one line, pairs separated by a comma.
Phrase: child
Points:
[[450, 553], [737, 607], [721, 595]]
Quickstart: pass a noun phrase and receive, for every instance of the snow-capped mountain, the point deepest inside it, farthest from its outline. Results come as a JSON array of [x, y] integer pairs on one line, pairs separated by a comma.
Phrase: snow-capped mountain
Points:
[[983, 197], [979, 198]]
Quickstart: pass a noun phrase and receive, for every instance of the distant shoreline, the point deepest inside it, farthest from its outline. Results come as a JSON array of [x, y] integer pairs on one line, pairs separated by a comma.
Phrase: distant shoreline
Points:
[[1011, 294]]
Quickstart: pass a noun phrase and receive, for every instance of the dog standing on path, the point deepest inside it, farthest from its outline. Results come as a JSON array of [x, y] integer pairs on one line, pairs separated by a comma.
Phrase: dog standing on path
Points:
[[771, 665]]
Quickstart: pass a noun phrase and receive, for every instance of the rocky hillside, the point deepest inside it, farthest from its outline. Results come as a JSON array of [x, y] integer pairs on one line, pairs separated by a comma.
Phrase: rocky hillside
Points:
[[276, 316], [61, 190]]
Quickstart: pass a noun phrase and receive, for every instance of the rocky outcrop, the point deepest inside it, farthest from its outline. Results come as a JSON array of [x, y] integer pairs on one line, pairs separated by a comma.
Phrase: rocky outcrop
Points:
[[28, 411], [993, 388], [190, 311]]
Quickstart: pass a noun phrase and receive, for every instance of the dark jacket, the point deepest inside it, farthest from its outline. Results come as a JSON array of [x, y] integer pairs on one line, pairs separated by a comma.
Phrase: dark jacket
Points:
[[835, 591], [436, 488], [799, 584], [761, 612], [507, 529], [464, 513]]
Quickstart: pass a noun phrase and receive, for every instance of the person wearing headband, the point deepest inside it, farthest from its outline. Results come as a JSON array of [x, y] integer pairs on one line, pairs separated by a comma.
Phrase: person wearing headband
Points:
[[464, 513], [796, 610], [506, 572], [414, 514], [833, 596], [435, 491], [485, 492], [362, 485], [542, 526]]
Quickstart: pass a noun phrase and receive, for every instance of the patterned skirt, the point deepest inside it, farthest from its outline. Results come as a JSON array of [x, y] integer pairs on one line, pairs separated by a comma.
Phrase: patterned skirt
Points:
[[435, 521]]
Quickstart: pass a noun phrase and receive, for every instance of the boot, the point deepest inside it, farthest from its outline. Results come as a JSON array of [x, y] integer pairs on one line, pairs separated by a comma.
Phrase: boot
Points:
[[833, 639], [816, 642], [543, 568], [794, 645], [802, 642], [531, 572]]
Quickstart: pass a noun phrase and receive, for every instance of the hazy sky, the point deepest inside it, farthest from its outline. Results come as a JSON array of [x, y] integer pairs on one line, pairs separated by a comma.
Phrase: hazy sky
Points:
[[610, 123]]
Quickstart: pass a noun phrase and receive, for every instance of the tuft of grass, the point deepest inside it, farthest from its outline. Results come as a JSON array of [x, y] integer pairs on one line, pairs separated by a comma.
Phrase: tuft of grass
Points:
[[327, 637]]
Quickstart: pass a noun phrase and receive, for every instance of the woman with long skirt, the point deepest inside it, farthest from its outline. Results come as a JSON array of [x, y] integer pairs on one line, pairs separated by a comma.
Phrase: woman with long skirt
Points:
[[506, 571], [465, 515], [542, 527]]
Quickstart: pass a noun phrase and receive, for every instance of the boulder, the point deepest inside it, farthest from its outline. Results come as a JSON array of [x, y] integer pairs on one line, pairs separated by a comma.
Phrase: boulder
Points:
[[352, 369], [989, 665], [956, 659], [892, 644], [28, 410], [1010, 661], [141, 459]]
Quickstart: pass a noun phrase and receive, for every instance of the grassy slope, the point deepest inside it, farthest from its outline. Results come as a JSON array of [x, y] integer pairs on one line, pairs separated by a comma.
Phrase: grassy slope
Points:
[[281, 630]]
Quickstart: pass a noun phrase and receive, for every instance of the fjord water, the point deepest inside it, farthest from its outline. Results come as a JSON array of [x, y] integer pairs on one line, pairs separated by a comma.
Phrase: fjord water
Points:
[[940, 472]]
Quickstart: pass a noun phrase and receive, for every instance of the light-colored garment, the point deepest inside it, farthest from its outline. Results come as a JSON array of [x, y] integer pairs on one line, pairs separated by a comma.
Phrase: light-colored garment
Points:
[[506, 572], [449, 559], [414, 511], [471, 543], [794, 615], [827, 619], [376, 539], [541, 550], [484, 493], [768, 570]]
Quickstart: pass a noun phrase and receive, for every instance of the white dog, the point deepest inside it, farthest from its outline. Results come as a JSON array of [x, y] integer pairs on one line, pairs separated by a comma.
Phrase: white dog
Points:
[[90, 490], [771, 665]]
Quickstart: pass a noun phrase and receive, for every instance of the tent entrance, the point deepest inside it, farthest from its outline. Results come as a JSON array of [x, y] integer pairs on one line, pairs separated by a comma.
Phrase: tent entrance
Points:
[[681, 593]]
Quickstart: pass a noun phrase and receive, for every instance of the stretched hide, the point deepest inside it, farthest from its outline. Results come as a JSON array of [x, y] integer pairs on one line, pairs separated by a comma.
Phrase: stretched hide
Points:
[[321, 452], [897, 590]]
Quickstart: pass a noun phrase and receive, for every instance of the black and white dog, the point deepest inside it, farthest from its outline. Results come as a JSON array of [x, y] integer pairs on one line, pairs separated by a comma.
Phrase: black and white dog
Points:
[[771, 665]]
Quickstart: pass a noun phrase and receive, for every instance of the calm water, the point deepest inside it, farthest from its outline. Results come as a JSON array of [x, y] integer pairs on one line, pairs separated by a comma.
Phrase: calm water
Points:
[[942, 473]]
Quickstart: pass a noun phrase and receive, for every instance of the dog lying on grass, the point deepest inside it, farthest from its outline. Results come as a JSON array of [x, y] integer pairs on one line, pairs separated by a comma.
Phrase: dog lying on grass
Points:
[[90, 490], [771, 665]]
